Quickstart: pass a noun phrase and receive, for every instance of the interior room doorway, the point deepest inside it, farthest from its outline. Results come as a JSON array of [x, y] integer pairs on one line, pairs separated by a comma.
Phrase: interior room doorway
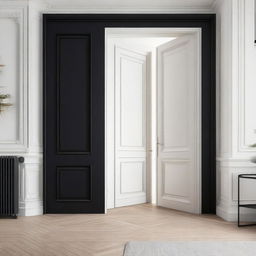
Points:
[[78, 151], [153, 117]]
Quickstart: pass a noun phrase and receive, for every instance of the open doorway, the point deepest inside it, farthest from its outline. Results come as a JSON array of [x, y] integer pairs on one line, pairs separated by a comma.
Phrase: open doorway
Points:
[[78, 109], [153, 117]]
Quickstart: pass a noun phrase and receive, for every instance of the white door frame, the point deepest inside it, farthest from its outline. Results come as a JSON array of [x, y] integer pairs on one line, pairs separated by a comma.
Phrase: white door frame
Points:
[[110, 99]]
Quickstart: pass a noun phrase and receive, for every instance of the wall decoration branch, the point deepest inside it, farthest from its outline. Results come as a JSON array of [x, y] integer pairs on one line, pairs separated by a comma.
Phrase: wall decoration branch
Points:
[[4, 101], [1, 67]]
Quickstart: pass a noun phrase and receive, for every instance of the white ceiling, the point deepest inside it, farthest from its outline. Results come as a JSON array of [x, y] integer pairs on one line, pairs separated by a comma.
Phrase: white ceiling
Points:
[[146, 43]]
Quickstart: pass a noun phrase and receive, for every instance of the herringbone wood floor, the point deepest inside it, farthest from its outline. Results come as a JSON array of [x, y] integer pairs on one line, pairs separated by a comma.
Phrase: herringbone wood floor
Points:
[[66, 235]]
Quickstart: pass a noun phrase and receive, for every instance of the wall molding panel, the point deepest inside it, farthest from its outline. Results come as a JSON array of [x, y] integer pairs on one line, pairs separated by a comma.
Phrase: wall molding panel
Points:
[[239, 73], [240, 112], [237, 110], [19, 15], [247, 130]]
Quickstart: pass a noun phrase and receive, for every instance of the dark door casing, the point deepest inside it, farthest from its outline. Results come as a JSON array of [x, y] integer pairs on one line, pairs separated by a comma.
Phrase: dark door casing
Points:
[[74, 81]]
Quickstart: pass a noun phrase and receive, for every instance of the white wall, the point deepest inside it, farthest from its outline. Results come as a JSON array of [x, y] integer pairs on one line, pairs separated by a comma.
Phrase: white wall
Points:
[[236, 104], [236, 86], [19, 129]]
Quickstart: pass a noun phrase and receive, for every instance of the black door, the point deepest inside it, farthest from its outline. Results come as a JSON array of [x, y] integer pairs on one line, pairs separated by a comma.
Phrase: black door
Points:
[[74, 106], [74, 118]]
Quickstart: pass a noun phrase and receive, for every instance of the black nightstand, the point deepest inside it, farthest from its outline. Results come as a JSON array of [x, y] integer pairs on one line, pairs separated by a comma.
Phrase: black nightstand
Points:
[[251, 206]]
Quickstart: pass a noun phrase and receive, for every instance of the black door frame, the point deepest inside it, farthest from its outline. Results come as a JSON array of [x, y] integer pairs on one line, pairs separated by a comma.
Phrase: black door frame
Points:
[[207, 23]]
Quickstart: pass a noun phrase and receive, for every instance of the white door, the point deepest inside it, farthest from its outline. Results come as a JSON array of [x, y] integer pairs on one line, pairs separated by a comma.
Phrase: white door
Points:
[[130, 126], [179, 118]]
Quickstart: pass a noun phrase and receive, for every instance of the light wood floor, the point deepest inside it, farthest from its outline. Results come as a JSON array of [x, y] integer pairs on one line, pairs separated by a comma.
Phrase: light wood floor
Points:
[[99, 235]]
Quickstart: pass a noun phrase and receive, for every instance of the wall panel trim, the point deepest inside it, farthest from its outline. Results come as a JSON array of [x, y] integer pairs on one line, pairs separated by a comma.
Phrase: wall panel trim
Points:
[[19, 15]]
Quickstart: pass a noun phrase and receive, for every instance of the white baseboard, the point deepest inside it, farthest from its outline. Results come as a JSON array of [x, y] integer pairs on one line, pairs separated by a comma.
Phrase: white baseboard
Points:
[[30, 187], [247, 215], [33, 209]]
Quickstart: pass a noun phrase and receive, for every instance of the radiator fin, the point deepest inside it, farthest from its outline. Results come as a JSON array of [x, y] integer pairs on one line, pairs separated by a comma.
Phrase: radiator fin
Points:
[[8, 186]]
